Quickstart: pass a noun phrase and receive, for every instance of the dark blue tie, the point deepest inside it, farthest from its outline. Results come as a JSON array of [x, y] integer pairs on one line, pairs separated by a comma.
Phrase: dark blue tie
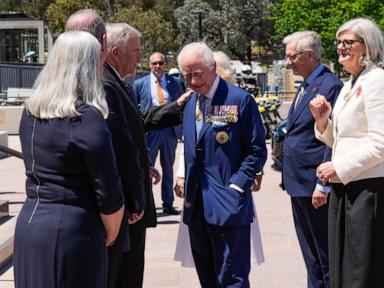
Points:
[[200, 112]]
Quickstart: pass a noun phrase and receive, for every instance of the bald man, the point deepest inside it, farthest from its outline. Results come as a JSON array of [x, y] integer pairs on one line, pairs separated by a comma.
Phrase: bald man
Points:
[[153, 90]]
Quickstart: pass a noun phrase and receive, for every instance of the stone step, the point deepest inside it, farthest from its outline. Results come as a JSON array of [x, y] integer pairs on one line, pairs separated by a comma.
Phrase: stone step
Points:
[[4, 210], [7, 231]]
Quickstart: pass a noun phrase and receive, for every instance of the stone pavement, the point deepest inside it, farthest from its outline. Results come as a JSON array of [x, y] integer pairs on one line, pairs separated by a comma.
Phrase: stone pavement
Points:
[[283, 267]]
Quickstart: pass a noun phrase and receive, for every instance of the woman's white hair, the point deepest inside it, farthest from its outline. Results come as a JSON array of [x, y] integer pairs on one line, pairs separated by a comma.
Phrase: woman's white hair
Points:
[[69, 76], [197, 49], [368, 31], [306, 40], [223, 66]]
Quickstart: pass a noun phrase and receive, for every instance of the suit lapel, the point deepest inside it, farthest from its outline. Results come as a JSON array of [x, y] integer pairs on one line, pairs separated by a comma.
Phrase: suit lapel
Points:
[[291, 109], [148, 92], [112, 76], [189, 123], [217, 100], [310, 91]]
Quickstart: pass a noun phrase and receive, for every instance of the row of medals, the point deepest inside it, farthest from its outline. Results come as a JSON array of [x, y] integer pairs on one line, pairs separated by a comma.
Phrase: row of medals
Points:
[[222, 137]]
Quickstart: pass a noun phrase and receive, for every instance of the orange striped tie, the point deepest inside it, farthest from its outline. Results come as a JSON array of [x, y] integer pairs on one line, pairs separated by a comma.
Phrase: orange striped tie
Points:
[[160, 92]]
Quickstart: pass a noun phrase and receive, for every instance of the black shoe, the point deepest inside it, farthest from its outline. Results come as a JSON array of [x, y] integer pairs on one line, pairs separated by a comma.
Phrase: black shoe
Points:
[[170, 210]]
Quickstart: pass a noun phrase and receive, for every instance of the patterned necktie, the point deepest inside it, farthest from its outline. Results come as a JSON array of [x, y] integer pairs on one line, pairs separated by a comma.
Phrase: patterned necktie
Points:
[[300, 96], [160, 92]]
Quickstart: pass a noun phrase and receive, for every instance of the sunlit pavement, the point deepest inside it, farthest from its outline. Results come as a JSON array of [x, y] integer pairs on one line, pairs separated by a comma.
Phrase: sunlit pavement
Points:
[[283, 267]]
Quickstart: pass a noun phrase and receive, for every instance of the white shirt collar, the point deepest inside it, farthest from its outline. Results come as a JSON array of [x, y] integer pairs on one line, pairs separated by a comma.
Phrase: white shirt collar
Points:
[[117, 73], [161, 79], [211, 92]]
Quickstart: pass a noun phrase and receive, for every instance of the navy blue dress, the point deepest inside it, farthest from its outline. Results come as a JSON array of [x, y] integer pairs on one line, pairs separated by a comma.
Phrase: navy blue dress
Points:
[[71, 178]]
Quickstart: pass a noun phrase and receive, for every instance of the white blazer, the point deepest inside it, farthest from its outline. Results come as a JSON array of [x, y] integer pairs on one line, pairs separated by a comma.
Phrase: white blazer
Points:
[[356, 132]]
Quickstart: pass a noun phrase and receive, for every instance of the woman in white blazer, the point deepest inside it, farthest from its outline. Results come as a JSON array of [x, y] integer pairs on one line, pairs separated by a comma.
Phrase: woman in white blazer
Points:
[[356, 171]]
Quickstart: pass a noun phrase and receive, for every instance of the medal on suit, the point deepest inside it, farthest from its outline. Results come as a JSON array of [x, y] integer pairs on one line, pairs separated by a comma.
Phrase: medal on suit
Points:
[[222, 137]]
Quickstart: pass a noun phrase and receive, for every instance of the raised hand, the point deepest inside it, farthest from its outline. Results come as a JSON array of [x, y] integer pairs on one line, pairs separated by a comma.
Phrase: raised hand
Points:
[[321, 109]]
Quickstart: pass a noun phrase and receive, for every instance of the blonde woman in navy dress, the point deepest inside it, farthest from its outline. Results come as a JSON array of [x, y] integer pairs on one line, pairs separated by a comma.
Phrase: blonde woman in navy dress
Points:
[[74, 202]]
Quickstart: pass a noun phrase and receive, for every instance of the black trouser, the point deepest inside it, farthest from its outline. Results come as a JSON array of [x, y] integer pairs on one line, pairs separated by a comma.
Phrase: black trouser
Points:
[[356, 234], [132, 264], [114, 265]]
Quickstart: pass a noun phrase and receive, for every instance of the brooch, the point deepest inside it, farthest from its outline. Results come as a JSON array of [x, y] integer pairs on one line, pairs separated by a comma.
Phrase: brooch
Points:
[[222, 137]]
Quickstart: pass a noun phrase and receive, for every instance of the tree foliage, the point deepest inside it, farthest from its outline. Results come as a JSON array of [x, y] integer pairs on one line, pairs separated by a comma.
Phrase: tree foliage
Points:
[[157, 33], [229, 25], [59, 11], [322, 16]]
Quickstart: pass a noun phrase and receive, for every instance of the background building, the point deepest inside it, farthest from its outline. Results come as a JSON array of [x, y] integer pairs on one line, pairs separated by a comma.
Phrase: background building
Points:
[[23, 38]]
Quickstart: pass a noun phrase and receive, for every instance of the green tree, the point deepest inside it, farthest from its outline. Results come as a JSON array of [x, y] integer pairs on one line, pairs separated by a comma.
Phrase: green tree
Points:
[[322, 16], [58, 12], [229, 25], [156, 32], [33, 7]]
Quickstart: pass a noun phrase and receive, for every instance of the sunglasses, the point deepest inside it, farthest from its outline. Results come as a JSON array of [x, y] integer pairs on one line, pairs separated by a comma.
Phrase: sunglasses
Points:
[[161, 63]]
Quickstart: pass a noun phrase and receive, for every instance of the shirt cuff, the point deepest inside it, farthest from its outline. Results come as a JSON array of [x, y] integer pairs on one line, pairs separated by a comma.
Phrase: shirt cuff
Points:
[[237, 188], [323, 188]]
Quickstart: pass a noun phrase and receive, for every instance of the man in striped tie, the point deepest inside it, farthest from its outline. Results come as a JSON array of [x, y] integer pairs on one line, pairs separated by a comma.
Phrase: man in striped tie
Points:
[[157, 89]]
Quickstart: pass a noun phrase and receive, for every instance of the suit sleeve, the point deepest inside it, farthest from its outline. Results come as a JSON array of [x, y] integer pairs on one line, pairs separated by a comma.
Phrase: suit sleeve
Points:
[[93, 139], [127, 153], [160, 117], [331, 97], [253, 142]]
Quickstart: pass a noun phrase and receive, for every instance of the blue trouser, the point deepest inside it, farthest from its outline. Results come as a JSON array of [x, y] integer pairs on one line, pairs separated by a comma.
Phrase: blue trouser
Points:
[[221, 254], [164, 141], [312, 232]]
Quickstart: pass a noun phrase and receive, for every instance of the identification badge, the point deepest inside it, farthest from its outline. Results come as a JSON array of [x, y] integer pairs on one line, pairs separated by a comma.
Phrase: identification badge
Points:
[[222, 137]]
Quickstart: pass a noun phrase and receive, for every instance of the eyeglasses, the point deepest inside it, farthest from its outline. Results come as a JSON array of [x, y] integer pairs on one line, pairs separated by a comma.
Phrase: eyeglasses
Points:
[[161, 63], [347, 43], [293, 57], [196, 74]]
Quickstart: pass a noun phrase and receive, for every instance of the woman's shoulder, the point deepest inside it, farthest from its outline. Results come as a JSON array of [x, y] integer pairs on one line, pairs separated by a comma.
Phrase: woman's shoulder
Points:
[[89, 115], [376, 71]]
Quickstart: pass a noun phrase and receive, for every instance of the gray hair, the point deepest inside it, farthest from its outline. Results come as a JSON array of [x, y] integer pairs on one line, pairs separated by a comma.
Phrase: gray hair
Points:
[[87, 20], [223, 66], [368, 31], [197, 49], [306, 40], [68, 77], [119, 33]]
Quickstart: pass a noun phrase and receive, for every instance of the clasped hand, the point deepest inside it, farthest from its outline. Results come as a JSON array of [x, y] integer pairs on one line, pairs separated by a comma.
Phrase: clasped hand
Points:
[[326, 172]]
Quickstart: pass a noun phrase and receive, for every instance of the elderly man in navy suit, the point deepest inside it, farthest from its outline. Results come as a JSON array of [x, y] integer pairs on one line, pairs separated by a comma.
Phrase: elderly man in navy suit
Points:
[[224, 147], [157, 89], [303, 153]]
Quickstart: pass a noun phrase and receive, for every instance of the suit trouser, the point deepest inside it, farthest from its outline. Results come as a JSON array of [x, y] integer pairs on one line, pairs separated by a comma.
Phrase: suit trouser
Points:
[[164, 141], [312, 232], [114, 266], [221, 254], [356, 234], [132, 265]]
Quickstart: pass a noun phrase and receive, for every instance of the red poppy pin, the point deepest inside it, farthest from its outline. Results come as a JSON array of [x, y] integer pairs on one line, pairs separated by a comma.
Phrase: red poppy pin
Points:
[[358, 91]]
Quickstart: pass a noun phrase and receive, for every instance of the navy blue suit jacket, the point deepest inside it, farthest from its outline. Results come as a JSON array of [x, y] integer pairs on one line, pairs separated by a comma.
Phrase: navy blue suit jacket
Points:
[[215, 166], [142, 88], [302, 151]]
